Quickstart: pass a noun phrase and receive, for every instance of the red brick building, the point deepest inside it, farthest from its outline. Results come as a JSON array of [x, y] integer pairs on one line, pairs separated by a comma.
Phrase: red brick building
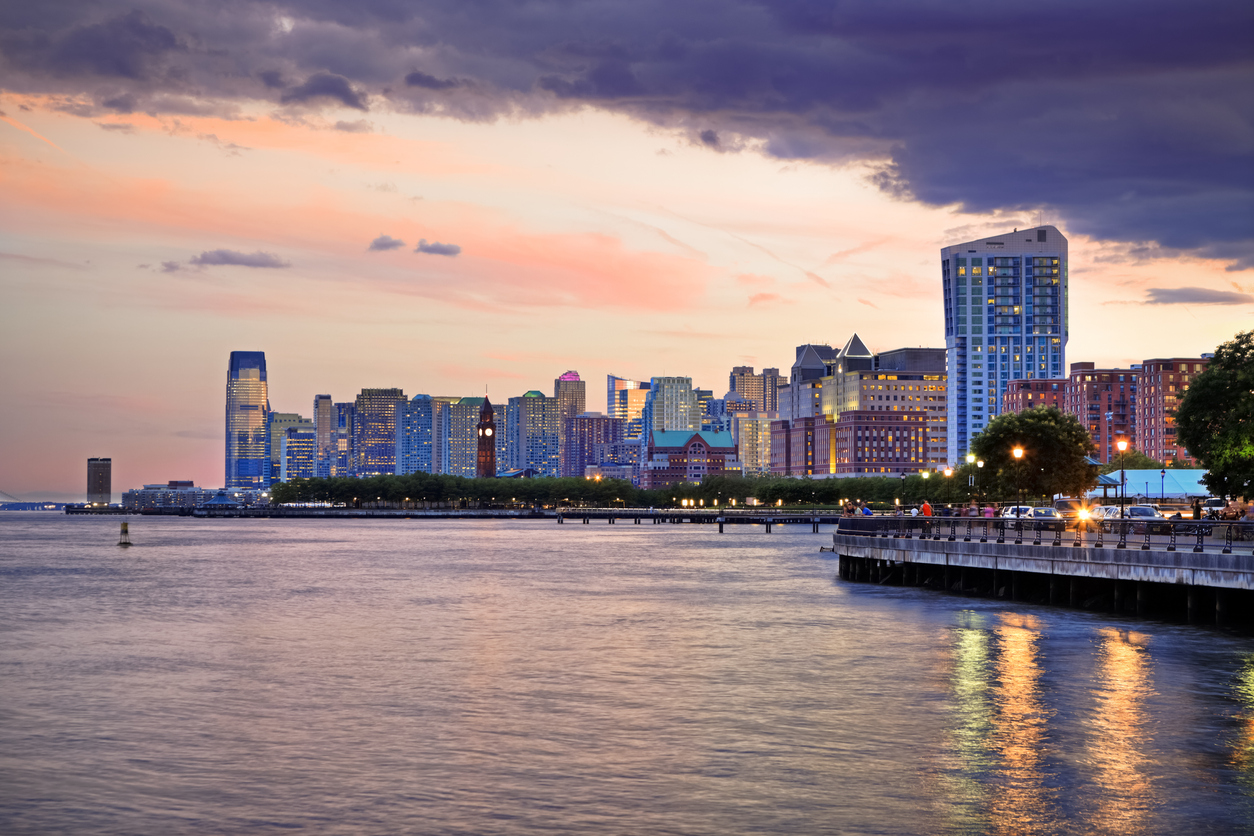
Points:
[[1104, 401], [1162, 385], [860, 441], [685, 456], [1026, 394]]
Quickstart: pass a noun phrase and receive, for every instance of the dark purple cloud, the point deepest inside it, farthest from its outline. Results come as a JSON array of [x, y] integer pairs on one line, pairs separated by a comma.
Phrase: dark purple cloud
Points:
[[326, 86], [1197, 296], [1128, 121], [436, 248], [238, 259], [385, 242]]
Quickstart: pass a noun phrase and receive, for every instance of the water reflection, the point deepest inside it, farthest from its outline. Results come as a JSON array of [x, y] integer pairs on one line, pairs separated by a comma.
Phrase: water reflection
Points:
[[1124, 793], [965, 787], [1024, 804], [1243, 747]]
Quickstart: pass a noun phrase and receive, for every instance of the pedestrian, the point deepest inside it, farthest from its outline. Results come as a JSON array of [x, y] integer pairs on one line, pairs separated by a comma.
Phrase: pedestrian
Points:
[[925, 510], [1197, 509], [914, 512], [990, 510]]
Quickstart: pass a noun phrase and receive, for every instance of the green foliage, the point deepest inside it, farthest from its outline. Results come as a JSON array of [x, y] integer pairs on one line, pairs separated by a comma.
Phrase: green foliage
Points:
[[1215, 422], [1131, 460], [1055, 445], [417, 488]]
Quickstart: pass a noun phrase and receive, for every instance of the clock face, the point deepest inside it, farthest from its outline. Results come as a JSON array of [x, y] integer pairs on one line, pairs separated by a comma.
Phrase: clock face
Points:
[[488, 431]]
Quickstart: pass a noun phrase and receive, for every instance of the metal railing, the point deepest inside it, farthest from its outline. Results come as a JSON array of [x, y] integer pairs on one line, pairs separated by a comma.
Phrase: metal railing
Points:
[[1159, 534]]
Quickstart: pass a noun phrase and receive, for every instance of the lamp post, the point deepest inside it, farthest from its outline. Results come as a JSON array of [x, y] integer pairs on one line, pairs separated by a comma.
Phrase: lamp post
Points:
[[949, 472], [1162, 490], [1122, 444], [925, 475], [971, 479], [1018, 454], [979, 467]]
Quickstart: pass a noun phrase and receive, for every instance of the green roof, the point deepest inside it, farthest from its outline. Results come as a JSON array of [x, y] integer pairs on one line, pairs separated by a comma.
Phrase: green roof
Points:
[[678, 438]]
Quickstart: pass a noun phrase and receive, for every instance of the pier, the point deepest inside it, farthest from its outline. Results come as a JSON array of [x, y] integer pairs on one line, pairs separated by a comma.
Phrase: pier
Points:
[[1202, 573]]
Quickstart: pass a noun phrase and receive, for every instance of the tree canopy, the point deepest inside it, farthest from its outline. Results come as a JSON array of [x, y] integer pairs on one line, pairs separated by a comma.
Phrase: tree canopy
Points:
[[1054, 446], [1215, 421]]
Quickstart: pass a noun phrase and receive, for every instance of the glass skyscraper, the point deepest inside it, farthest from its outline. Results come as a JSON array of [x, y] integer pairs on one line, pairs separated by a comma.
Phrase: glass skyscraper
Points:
[[247, 410], [1005, 319]]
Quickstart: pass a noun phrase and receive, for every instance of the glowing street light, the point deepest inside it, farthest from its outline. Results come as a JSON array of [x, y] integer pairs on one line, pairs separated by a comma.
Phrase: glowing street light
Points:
[[1122, 444], [1018, 454]]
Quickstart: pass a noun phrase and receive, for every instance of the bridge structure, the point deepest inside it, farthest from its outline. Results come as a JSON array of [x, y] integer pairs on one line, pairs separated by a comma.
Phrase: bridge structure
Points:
[[1200, 572]]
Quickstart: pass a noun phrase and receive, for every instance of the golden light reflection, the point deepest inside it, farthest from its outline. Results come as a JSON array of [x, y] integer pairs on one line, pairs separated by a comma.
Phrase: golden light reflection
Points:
[[963, 772], [1243, 746], [1024, 804], [1124, 793]]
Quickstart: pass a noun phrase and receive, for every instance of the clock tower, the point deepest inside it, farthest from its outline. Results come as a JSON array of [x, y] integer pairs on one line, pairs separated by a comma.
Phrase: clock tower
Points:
[[486, 467]]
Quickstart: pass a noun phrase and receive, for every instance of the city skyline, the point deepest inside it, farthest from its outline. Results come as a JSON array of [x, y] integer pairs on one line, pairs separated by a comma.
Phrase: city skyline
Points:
[[358, 194]]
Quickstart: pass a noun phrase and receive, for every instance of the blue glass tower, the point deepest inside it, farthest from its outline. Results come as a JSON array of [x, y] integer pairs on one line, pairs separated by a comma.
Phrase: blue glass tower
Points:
[[247, 435]]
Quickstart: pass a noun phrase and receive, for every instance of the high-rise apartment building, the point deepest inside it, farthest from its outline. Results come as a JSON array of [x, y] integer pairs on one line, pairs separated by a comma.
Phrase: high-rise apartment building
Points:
[[342, 459], [751, 432], [594, 438], [671, 405], [630, 408], [247, 413], [569, 392], [1005, 319], [99, 481], [1104, 401], [614, 385], [1160, 389], [533, 433], [463, 437], [374, 431], [277, 425], [760, 390], [415, 435]]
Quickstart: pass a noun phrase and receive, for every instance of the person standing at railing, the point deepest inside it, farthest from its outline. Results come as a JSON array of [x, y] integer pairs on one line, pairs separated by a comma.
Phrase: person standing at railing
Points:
[[925, 509], [990, 510], [1197, 509]]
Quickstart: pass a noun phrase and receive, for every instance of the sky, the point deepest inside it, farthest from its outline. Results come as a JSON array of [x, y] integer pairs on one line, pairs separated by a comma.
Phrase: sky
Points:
[[453, 197]]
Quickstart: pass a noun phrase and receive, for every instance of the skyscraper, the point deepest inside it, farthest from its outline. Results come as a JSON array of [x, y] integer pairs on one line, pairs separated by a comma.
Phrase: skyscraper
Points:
[[414, 444], [571, 397], [463, 437], [533, 433], [1005, 318], [324, 431], [299, 453], [614, 385], [247, 412], [374, 431], [99, 481], [760, 390], [277, 425]]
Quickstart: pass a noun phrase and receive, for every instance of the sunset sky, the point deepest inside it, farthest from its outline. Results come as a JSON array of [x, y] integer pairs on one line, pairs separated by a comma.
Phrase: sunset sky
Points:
[[445, 196]]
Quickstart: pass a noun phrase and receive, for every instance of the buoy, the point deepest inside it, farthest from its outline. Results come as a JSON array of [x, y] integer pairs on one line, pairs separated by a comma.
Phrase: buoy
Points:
[[124, 539]]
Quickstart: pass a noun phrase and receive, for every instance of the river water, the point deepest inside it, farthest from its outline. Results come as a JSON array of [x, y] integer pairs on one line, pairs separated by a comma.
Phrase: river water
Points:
[[484, 677]]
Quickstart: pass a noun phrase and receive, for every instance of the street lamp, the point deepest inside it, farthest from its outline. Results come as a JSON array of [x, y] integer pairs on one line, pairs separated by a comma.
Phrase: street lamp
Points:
[[1162, 489], [1018, 453], [979, 466], [925, 475], [1122, 444], [949, 472]]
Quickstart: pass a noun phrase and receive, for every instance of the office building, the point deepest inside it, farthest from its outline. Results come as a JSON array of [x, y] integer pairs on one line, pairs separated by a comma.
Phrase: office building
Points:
[[324, 420], [569, 392], [374, 431], [614, 385], [867, 442], [247, 412], [671, 405], [99, 481], [340, 462], [533, 434], [1161, 387], [686, 456], [630, 408], [751, 432], [801, 396], [415, 435], [299, 447], [1005, 319], [277, 425]]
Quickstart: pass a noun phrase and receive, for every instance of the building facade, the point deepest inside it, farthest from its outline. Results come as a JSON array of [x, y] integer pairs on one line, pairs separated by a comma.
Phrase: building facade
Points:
[[572, 399], [485, 432], [1160, 389], [867, 442], [99, 481], [324, 432], [247, 412], [414, 435], [594, 438], [686, 456], [462, 438], [1027, 394], [533, 434], [374, 431], [1005, 319], [761, 391], [1104, 401], [277, 425], [300, 453]]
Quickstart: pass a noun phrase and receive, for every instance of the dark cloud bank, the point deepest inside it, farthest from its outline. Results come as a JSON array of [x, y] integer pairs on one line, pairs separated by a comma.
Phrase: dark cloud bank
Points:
[[1131, 121]]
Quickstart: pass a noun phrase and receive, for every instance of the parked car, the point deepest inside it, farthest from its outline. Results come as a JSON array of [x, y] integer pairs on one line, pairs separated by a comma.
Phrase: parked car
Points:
[[1023, 511], [1069, 509], [1047, 519], [1148, 517]]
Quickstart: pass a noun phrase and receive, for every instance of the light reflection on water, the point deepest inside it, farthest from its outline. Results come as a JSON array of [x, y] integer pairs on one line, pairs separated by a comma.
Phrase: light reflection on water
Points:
[[457, 677]]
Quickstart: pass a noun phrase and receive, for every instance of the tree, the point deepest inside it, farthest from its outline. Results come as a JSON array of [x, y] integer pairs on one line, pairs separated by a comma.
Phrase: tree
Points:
[[1215, 422], [1054, 446], [1131, 460]]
